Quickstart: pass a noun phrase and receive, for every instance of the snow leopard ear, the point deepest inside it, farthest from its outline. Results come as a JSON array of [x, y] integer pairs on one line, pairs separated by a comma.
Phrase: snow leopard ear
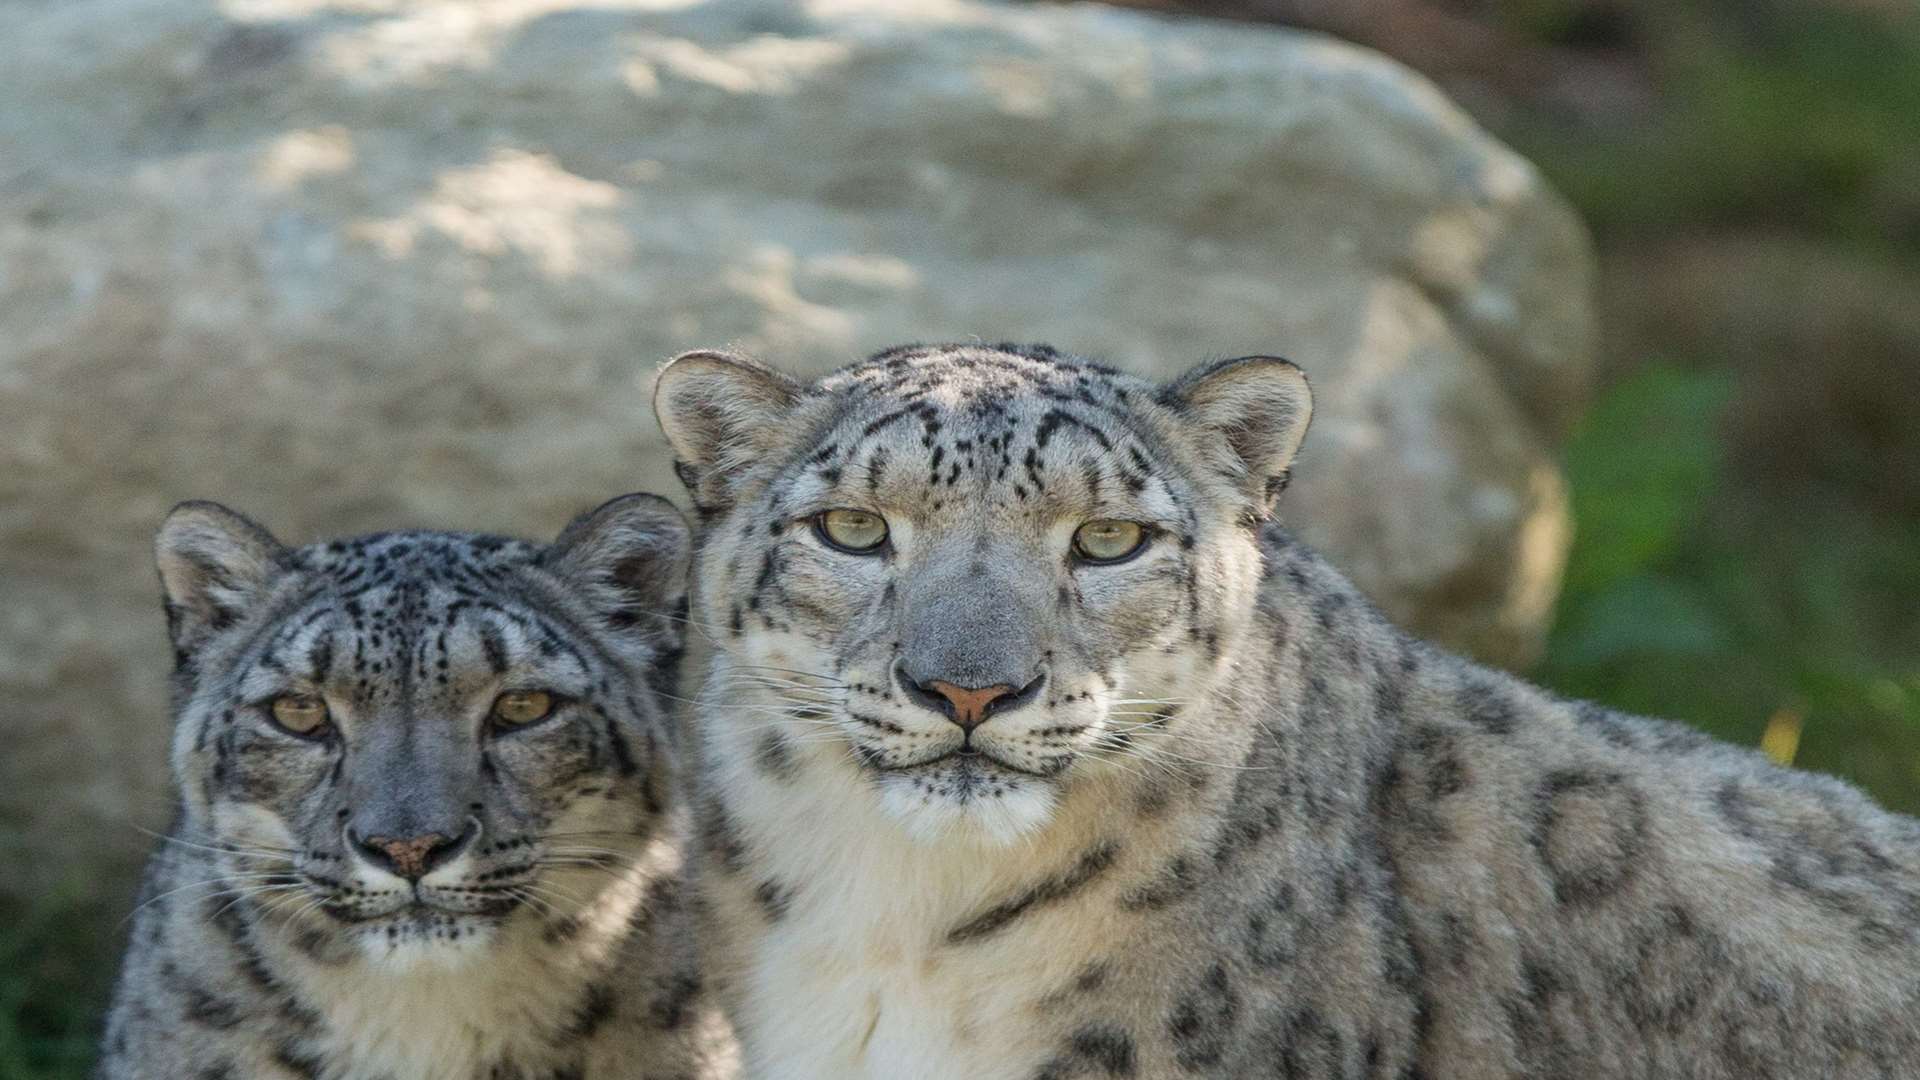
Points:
[[627, 559], [1249, 415], [721, 413], [214, 565]]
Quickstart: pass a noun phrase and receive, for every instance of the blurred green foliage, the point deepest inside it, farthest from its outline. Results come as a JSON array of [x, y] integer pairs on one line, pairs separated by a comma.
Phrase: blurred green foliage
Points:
[[1745, 497], [1688, 597], [1777, 115], [55, 963]]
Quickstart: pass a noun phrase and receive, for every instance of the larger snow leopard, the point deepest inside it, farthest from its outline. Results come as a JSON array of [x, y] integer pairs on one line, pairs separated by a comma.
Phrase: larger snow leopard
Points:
[[1031, 748], [427, 827]]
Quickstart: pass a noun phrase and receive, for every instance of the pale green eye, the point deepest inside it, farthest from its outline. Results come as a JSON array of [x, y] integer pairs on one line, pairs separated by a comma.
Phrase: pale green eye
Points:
[[302, 714], [1108, 541], [517, 708], [852, 530]]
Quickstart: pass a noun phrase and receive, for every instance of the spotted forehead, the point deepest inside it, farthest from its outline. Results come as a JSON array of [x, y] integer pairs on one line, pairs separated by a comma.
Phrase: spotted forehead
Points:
[[417, 560], [945, 426], [396, 588], [413, 607], [982, 380]]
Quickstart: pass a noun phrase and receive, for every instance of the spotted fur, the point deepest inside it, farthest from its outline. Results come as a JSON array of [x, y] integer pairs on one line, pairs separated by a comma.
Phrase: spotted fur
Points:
[[1243, 826], [551, 943]]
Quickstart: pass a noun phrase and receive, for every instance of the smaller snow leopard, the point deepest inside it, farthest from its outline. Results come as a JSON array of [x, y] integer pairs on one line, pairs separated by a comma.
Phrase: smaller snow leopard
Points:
[[426, 825], [1032, 749]]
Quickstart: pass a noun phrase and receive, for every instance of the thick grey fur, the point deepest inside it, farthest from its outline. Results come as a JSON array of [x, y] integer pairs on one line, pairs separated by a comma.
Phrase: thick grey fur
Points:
[[1277, 837]]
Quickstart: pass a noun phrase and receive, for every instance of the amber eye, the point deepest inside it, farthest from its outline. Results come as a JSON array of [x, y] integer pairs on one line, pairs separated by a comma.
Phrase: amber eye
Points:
[[1108, 541], [302, 714], [518, 708], [852, 530]]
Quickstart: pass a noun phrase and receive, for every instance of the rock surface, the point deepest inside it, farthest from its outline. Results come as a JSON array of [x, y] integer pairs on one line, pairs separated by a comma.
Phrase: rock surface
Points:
[[352, 264]]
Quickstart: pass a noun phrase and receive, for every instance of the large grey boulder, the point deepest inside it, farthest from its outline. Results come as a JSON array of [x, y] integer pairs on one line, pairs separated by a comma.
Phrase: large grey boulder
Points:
[[352, 264]]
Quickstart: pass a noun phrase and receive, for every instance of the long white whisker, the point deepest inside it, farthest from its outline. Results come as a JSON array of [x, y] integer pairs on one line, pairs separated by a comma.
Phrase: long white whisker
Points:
[[258, 850]]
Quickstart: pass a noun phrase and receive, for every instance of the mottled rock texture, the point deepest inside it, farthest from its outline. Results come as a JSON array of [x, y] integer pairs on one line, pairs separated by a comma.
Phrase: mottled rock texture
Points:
[[356, 264]]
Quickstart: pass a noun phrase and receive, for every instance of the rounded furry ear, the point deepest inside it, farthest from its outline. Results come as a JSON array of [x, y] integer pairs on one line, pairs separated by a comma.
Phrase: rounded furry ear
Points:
[[720, 412], [628, 558], [1256, 408], [214, 564]]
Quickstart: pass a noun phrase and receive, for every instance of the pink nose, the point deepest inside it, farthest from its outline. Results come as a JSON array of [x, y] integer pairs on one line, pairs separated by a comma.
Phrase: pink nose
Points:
[[410, 857], [969, 705]]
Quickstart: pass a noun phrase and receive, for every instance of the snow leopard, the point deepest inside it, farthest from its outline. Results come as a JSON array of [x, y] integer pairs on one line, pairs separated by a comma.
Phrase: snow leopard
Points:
[[427, 826], [1032, 745]]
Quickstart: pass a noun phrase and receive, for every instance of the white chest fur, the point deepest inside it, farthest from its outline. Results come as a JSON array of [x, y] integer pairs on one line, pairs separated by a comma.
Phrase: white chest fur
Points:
[[856, 978], [456, 1013], [448, 1028]]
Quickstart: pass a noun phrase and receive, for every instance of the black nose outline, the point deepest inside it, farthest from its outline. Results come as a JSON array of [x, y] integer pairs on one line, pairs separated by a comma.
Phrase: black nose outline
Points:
[[923, 695], [413, 857]]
